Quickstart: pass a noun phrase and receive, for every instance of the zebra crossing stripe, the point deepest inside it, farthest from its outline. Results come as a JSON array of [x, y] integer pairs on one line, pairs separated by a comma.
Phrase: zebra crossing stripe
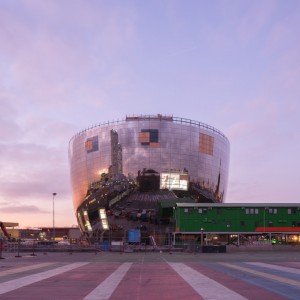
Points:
[[263, 274], [275, 267], [204, 286], [24, 269], [105, 289], [14, 284]]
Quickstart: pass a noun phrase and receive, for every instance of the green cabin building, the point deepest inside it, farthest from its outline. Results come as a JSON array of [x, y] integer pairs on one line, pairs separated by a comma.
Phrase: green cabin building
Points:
[[236, 219]]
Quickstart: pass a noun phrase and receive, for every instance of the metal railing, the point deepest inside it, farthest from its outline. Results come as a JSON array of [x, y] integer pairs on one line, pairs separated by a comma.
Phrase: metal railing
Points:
[[162, 118]]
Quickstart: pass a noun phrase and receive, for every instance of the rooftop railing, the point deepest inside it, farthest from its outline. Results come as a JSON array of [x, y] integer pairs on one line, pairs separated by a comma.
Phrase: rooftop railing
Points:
[[158, 117]]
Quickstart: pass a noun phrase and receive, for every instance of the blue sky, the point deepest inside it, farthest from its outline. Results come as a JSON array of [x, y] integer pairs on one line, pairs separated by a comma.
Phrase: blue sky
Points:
[[67, 64]]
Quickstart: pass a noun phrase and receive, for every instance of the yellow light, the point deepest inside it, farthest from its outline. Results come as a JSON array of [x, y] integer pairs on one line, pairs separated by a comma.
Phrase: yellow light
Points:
[[104, 224], [102, 171], [103, 218], [88, 225], [102, 213]]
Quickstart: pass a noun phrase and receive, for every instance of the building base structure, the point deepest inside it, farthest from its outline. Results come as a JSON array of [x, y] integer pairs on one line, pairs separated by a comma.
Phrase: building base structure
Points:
[[144, 157]]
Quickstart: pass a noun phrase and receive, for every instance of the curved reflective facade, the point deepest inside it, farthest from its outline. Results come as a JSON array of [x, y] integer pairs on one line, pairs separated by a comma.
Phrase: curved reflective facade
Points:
[[166, 145]]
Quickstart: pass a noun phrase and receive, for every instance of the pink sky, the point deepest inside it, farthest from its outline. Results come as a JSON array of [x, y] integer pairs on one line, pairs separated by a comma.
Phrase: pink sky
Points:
[[66, 65]]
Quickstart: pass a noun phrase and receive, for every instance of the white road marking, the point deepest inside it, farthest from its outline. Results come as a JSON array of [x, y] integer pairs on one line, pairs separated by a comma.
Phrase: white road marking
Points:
[[24, 269], [263, 274], [14, 284], [105, 289], [207, 288], [275, 267]]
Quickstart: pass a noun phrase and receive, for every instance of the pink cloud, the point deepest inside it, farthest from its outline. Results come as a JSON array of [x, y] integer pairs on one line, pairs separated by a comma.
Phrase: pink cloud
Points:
[[238, 130], [49, 64], [24, 209]]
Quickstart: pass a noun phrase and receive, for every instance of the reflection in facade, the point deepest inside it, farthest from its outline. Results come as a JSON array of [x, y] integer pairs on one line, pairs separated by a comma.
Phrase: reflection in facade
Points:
[[116, 155], [140, 155]]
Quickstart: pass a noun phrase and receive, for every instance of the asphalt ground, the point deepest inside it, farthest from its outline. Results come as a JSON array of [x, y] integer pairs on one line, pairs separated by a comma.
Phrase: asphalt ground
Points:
[[233, 254], [238, 274]]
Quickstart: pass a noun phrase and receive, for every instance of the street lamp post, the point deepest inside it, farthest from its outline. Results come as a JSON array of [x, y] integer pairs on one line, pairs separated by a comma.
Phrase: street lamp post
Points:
[[201, 238], [53, 237]]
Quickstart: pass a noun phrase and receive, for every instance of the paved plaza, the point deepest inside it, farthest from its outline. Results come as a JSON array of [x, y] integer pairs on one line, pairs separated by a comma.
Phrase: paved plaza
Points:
[[237, 274]]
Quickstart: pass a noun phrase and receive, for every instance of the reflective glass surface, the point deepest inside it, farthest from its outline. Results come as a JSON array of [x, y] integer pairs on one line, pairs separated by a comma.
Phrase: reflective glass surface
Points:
[[157, 143]]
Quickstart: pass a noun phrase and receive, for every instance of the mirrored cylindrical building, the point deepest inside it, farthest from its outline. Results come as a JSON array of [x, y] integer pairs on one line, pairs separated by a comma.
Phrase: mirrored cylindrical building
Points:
[[148, 153]]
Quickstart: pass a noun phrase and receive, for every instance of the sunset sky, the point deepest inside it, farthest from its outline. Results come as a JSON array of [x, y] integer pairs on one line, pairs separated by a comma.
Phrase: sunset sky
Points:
[[66, 65]]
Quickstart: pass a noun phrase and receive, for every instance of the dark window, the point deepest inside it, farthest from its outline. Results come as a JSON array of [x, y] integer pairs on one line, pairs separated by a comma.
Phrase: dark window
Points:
[[153, 135], [93, 216], [149, 137], [291, 211], [91, 144]]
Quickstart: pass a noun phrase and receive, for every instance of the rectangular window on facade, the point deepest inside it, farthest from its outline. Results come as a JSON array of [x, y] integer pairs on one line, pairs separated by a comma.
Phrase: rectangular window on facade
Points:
[[153, 135], [144, 137], [200, 210], [247, 211], [206, 144], [88, 145], [149, 137], [275, 211], [251, 211], [91, 144], [186, 210], [256, 211], [289, 211]]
